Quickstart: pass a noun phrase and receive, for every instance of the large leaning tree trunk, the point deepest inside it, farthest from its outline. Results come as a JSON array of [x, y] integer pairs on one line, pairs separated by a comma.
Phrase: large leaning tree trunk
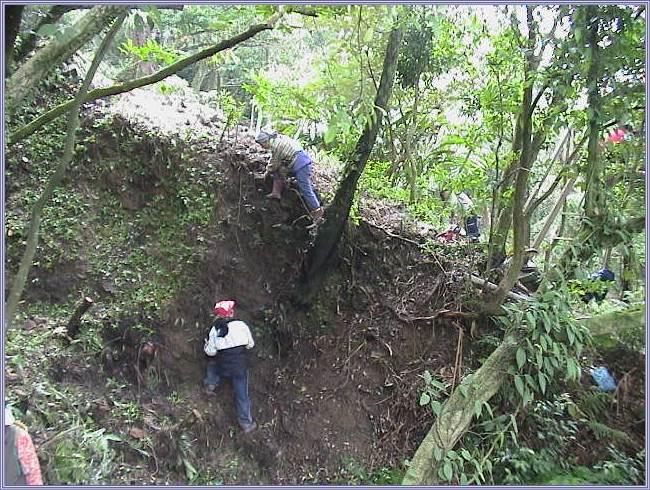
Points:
[[20, 279], [98, 93], [59, 49], [320, 257], [457, 413]]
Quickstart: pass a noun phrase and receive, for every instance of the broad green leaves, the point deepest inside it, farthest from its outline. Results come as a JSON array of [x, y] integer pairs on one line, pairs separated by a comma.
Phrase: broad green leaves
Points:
[[552, 342], [433, 391]]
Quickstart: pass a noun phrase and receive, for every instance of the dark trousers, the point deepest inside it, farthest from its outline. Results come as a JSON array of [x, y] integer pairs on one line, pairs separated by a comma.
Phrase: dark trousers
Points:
[[239, 380]]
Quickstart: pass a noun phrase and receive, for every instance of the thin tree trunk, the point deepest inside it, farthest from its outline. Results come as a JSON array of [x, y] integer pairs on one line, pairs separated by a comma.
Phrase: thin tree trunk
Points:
[[558, 234], [563, 142], [556, 210], [321, 256], [628, 272], [56, 51], [20, 278], [199, 75], [141, 82], [410, 136]]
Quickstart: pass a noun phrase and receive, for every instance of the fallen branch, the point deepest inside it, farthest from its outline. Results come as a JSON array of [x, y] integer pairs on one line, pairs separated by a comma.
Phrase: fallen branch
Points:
[[490, 285], [392, 235]]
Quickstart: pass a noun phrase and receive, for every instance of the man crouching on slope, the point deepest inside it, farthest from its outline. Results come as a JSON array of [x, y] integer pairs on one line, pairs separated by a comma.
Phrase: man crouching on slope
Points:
[[227, 343]]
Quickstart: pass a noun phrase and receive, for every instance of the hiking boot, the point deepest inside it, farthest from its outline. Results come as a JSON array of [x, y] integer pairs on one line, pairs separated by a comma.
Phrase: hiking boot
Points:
[[278, 187], [248, 428]]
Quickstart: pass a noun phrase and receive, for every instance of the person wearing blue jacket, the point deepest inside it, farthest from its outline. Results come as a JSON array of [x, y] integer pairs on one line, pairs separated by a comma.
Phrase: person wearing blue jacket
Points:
[[602, 278], [227, 345]]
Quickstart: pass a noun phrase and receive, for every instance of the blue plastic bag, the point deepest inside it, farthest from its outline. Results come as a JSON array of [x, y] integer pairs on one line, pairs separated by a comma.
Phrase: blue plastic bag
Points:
[[603, 379]]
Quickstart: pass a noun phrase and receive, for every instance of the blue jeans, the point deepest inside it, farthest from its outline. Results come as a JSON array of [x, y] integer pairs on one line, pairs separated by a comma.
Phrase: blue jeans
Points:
[[303, 176], [239, 380]]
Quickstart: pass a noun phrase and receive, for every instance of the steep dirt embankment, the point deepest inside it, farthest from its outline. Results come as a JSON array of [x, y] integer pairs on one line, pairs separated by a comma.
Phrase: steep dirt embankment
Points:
[[175, 223], [338, 382]]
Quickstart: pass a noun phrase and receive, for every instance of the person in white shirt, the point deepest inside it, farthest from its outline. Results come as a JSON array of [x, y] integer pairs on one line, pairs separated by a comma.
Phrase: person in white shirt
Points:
[[227, 344]]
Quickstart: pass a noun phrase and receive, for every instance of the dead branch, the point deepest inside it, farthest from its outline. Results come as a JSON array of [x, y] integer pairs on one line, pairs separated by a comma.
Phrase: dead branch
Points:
[[490, 285], [391, 234]]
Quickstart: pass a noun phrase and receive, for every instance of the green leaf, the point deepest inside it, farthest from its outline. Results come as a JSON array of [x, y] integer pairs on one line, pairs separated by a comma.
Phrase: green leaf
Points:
[[528, 396], [424, 399], [47, 30], [488, 408], [530, 319], [478, 407], [438, 454], [542, 382], [190, 471], [436, 406], [465, 454], [521, 357], [542, 341], [447, 471], [438, 384], [519, 384], [571, 335]]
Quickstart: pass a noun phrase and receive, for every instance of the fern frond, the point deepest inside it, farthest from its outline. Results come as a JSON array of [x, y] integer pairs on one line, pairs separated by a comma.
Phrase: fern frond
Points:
[[594, 403], [603, 431]]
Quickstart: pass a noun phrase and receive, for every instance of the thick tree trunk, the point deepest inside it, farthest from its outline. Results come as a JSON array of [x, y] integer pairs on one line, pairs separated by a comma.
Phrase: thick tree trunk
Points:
[[56, 51], [13, 16], [141, 82], [595, 211], [20, 279], [457, 414], [52, 17], [520, 220], [616, 321], [320, 257]]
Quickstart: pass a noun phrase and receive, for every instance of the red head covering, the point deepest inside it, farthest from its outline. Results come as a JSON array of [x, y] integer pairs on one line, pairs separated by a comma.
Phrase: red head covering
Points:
[[224, 309]]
